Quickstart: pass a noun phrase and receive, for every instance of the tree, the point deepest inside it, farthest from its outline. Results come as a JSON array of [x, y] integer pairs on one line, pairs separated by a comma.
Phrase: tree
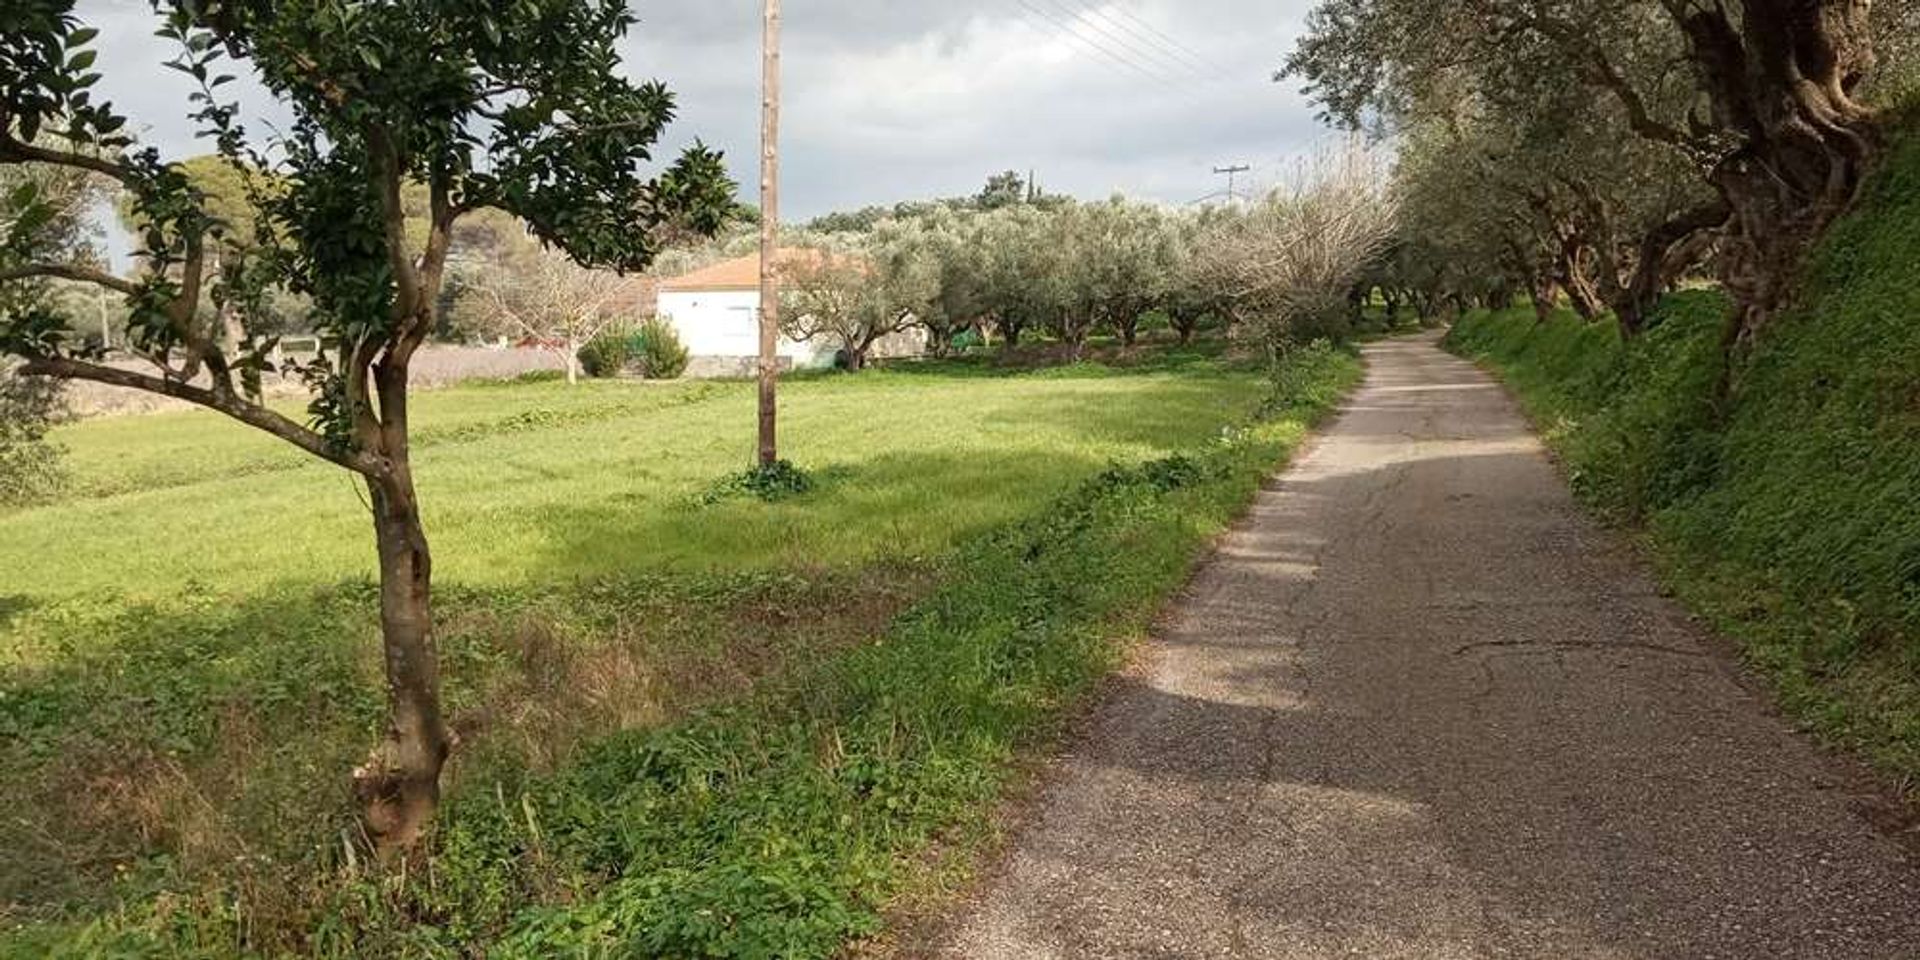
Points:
[[857, 293], [43, 217], [956, 245], [547, 298], [518, 108], [1129, 256], [1288, 262], [1002, 190], [1191, 294], [1767, 111], [1019, 267]]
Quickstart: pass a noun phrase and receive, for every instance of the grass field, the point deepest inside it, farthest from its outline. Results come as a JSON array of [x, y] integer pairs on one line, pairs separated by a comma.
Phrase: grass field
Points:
[[189, 659], [547, 480]]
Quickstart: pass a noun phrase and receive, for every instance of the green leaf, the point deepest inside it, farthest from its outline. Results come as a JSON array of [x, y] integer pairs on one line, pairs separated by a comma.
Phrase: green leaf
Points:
[[82, 60]]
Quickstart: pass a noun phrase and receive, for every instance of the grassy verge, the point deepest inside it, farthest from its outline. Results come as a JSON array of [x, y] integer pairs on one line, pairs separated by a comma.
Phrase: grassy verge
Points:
[[1784, 512], [736, 761]]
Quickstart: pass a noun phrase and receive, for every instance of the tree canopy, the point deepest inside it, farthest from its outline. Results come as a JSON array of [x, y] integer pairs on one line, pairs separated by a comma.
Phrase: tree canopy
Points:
[[1615, 133], [519, 108]]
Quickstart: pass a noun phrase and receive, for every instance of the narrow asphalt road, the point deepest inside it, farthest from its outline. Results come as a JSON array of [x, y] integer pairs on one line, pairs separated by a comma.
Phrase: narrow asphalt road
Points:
[[1419, 706]]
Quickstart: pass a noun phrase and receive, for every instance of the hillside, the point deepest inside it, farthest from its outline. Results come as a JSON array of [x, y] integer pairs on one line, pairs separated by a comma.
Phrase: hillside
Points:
[[1789, 512]]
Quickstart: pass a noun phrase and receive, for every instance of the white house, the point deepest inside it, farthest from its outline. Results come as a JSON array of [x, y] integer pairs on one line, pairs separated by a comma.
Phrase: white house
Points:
[[716, 312]]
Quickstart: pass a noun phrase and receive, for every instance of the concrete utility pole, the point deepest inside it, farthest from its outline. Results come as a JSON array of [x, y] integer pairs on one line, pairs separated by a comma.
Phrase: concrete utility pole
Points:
[[769, 226], [1230, 171]]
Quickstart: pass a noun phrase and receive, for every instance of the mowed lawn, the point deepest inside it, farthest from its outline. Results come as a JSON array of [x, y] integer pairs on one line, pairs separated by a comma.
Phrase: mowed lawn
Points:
[[524, 482]]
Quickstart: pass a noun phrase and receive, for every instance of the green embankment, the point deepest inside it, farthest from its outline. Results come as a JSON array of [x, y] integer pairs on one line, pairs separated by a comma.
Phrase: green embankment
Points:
[[1789, 513], [750, 758]]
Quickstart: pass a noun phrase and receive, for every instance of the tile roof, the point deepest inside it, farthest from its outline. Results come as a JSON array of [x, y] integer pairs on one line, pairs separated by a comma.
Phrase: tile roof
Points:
[[740, 273]]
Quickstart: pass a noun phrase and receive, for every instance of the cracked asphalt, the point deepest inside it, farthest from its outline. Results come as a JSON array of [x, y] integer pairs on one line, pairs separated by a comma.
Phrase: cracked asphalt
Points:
[[1420, 706]]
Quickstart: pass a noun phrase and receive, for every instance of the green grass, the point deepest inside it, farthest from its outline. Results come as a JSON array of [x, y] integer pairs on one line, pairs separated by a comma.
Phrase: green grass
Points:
[[546, 480], [688, 729], [1786, 513]]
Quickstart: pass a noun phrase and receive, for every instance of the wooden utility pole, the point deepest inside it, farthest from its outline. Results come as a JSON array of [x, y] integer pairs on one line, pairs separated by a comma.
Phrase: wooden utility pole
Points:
[[769, 226], [1231, 170]]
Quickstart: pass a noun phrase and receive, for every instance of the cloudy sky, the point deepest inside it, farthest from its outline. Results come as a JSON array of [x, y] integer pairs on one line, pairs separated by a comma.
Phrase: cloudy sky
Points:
[[888, 100]]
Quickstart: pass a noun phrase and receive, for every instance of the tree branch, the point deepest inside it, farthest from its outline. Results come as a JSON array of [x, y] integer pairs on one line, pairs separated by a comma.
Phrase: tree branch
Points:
[[74, 272], [14, 151], [251, 414]]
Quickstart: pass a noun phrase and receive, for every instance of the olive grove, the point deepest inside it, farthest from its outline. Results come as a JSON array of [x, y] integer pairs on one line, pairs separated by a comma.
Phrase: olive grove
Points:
[[1612, 145]]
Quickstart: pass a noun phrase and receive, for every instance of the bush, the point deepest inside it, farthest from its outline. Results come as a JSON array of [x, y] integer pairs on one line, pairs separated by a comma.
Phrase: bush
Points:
[[658, 349], [29, 466], [607, 354]]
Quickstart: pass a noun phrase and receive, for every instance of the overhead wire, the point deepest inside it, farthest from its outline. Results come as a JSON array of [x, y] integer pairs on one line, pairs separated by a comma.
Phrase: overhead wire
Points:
[[1071, 29], [1119, 11], [1087, 17]]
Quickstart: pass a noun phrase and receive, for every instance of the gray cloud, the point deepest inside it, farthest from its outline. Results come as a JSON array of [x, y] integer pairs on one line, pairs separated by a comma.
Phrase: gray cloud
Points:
[[886, 101]]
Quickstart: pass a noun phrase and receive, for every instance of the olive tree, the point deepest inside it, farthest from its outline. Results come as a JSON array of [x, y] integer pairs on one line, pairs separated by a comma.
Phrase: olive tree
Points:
[[519, 107], [858, 291], [1019, 266], [1766, 107]]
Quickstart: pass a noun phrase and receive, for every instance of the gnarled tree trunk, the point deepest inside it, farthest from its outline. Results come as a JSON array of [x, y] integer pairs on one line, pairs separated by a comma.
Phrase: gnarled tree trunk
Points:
[[1782, 78], [1661, 256]]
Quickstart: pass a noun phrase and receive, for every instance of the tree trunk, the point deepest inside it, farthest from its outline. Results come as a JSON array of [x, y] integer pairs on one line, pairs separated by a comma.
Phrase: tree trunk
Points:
[[1075, 337], [1782, 80], [1573, 278], [857, 356], [1129, 331], [1664, 253], [573, 363], [400, 783], [1543, 298], [1010, 332], [1184, 328]]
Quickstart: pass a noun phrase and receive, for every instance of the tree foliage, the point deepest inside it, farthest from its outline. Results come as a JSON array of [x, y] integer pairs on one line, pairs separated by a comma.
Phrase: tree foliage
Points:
[[519, 108], [1746, 120]]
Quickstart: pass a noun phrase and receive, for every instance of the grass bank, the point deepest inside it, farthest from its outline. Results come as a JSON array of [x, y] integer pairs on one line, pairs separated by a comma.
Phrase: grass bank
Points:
[[1789, 512], [737, 749]]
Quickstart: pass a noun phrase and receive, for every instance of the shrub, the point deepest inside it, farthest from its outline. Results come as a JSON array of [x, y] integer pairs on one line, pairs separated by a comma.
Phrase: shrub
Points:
[[29, 466], [658, 348], [607, 353]]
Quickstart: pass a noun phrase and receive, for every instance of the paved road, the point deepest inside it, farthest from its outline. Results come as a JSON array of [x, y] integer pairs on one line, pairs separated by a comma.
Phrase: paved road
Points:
[[1420, 707]]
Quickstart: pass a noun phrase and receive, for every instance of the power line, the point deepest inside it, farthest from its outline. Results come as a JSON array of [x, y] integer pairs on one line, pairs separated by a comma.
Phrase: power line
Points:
[[1170, 42], [1090, 44], [1087, 17], [1094, 11]]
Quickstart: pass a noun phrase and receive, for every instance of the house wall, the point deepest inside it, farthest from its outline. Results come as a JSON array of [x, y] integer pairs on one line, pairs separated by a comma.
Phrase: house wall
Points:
[[723, 325], [721, 330]]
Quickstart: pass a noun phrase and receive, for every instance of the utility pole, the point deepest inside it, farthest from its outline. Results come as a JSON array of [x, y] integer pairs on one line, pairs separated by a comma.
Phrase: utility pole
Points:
[[769, 226], [1231, 170]]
